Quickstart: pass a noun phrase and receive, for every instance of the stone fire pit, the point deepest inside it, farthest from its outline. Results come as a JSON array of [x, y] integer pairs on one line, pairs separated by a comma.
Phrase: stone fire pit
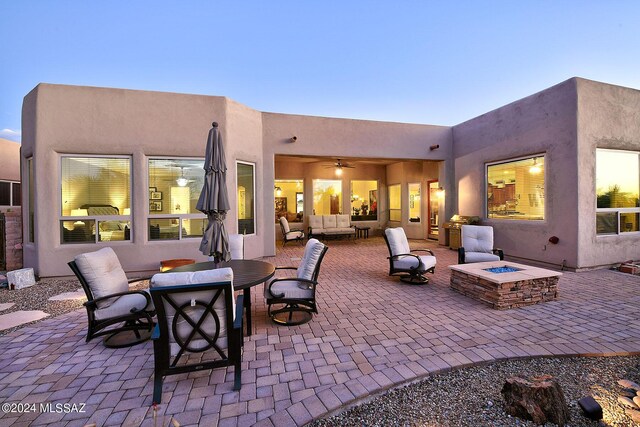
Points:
[[503, 285]]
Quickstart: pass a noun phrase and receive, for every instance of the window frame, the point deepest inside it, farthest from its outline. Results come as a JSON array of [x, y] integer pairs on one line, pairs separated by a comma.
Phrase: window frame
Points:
[[377, 189], [180, 217], [399, 185], [12, 203], [255, 198], [511, 160], [313, 191], [419, 184], [618, 211], [96, 218]]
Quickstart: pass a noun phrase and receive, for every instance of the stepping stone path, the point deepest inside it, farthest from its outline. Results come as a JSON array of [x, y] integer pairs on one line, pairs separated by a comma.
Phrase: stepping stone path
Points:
[[632, 406], [6, 306], [79, 294], [18, 318]]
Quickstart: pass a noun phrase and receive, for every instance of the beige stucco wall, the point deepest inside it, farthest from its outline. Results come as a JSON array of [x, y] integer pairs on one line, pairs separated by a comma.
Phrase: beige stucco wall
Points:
[[541, 123], [10, 156], [340, 138], [60, 119], [608, 117]]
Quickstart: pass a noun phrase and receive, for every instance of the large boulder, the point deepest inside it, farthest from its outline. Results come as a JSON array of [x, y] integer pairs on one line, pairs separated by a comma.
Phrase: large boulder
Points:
[[539, 399]]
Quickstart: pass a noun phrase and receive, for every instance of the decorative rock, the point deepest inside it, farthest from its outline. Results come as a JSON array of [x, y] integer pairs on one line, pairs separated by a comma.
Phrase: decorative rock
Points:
[[627, 392], [591, 408], [6, 306], [539, 399], [636, 400], [635, 415], [629, 384], [22, 278], [625, 401]]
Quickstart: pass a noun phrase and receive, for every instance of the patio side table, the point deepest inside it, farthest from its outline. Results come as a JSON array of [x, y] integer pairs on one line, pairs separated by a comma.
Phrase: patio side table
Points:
[[362, 232]]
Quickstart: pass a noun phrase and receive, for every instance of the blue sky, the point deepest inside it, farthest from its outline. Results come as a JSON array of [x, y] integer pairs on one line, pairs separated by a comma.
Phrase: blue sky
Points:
[[408, 61]]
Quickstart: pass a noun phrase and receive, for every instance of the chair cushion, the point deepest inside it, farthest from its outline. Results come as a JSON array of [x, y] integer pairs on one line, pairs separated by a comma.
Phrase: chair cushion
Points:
[[343, 221], [122, 306], [289, 288], [317, 231], [479, 257], [103, 273], [209, 325], [407, 262], [398, 242], [285, 224], [315, 221], [329, 221], [477, 238], [294, 235], [236, 246], [310, 258]]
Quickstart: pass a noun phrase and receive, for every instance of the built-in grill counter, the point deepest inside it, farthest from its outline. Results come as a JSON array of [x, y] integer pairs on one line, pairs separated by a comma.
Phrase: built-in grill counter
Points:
[[452, 235]]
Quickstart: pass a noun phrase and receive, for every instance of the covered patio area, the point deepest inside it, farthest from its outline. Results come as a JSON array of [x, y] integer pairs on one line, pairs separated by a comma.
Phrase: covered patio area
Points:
[[372, 333]]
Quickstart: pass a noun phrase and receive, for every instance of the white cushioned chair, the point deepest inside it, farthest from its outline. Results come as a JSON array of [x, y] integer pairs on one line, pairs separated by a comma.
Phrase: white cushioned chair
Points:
[[477, 245], [289, 235], [292, 300], [110, 302], [402, 261], [236, 246], [197, 312]]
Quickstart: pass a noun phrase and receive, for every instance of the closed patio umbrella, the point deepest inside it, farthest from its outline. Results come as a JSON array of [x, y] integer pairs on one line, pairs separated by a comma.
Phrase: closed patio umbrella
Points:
[[214, 200]]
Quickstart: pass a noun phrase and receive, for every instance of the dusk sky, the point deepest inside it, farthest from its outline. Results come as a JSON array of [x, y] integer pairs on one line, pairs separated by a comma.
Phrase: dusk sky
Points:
[[408, 61]]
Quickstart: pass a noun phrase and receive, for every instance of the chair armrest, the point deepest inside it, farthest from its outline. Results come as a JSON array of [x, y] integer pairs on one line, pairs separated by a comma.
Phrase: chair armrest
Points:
[[423, 250], [461, 255], [420, 264], [156, 332], [237, 323], [499, 252], [94, 301], [286, 268]]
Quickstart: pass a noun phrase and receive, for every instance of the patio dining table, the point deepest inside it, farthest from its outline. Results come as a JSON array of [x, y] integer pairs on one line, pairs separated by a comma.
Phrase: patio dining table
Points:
[[246, 274]]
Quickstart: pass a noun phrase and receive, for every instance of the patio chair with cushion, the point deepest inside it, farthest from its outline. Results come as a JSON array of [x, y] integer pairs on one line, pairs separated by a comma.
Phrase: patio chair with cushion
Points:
[[404, 262], [477, 245], [110, 302], [236, 246], [289, 235], [197, 312], [292, 300]]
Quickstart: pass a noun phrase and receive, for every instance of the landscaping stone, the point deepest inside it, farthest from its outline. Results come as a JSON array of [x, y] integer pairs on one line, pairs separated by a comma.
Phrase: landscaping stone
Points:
[[6, 306], [633, 414], [16, 318], [75, 295], [539, 399], [625, 401], [19, 279], [629, 384]]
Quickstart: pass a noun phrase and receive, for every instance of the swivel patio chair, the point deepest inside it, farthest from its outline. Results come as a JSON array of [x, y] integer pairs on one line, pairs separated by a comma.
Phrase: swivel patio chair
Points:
[[289, 235], [403, 262], [112, 309], [477, 245], [197, 312], [236, 246], [292, 300]]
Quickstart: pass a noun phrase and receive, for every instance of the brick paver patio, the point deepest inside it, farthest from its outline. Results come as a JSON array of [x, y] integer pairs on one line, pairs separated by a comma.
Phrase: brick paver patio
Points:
[[372, 333]]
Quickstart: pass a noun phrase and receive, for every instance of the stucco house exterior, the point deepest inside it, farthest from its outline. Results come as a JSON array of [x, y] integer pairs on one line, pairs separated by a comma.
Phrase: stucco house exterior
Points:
[[10, 206], [121, 168]]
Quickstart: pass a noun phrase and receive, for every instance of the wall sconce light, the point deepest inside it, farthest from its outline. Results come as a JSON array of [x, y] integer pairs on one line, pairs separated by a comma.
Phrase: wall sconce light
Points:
[[293, 138], [434, 147], [79, 212], [440, 192], [278, 191]]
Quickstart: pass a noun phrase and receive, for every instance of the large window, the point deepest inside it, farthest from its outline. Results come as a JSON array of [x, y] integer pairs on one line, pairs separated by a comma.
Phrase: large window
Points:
[[246, 197], [327, 195], [96, 199], [617, 189], [9, 193], [414, 202], [289, 199], [364, 200], [174, 189], [395, 203], [515, 189]]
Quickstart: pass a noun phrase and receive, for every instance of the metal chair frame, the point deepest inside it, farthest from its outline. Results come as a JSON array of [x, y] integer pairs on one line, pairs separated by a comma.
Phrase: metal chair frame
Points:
[[413, 276], [165, 363], [137, 321]]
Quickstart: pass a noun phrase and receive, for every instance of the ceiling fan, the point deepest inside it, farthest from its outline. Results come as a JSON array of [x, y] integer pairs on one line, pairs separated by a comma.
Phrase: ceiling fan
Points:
[[182, 180], [339, 165]]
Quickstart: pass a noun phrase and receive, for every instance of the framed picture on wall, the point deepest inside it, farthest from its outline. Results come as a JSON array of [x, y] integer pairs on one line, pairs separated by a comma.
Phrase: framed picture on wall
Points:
[[156, 195], [281, 205], [155, 206], [373, 201]]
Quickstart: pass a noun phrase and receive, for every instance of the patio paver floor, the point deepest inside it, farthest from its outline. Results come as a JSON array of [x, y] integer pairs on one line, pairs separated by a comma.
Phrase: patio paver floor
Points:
[[372, 333]]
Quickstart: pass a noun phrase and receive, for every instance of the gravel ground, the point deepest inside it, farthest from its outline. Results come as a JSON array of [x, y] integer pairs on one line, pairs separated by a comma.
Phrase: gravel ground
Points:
[[37, 298], [471, 396]]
